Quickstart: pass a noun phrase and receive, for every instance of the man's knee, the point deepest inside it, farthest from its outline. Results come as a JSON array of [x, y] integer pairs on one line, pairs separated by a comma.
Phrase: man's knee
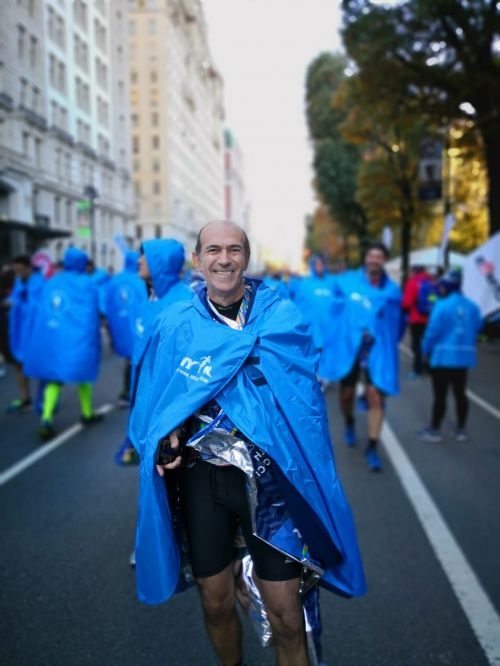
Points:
[[374, 397], [287, 623], [218, 603]]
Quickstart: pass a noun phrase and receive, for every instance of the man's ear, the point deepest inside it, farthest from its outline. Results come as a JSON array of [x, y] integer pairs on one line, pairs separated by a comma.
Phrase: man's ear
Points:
[[196, 261]]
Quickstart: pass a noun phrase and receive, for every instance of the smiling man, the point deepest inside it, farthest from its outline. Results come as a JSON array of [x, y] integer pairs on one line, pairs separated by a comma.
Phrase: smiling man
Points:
[[231, 427]]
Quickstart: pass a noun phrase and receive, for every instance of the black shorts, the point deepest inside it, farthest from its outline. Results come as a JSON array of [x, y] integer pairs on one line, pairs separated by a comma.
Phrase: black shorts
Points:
[[352, 377], [214, 504]]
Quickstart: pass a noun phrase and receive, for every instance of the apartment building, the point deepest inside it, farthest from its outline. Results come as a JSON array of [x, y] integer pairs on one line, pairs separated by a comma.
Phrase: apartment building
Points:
[[177, 120], [64, 127]]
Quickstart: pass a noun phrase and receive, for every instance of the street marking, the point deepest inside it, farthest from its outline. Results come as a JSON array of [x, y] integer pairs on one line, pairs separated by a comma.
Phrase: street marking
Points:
[[45, 449], [482, 616], [481, 402]]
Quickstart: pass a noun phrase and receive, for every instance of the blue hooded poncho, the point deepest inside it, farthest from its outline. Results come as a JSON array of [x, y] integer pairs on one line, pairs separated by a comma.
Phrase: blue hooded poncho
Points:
[[126, 295], [264, 378], [165, 258], [65, 343], [25, 298], [360, 307], [313, 295]]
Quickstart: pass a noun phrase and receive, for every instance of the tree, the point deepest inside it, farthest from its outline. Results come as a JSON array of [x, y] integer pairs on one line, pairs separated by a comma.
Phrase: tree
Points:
[[435, 57], [336, 161]]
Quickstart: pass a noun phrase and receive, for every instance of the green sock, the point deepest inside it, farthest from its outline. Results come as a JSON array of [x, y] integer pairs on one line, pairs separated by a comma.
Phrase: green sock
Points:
[[50, 398], [85, 395]]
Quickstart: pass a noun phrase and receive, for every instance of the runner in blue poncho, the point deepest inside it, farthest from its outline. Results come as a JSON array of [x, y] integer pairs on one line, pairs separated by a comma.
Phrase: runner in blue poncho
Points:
[[313, 296], [126, 294], [160, 264], [362, 334], [230, 424], [23, 304], [65, 344]]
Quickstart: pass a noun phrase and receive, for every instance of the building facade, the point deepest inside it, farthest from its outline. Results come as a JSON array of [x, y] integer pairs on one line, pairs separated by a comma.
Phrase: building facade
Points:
[[177, 120], [64, 127]]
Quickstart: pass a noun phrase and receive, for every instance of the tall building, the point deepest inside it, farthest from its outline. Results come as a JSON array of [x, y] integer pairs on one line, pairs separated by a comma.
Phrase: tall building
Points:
[[177, 119], [235, 204], [64, 127]]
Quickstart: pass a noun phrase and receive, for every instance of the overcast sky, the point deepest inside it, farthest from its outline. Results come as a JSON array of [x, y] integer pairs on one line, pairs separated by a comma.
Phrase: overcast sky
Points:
[[262, 49]]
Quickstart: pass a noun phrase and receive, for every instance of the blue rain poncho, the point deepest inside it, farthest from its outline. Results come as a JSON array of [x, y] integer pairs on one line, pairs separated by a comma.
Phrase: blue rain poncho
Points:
[[65, 342], [165, 258], [313, 295], [126, 294], [264, 378], [450, 336], [358, 307], [101, 279], [22, 313]]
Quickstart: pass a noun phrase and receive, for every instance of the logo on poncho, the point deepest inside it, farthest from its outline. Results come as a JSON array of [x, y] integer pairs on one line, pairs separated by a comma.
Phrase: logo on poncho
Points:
[[198, 371]]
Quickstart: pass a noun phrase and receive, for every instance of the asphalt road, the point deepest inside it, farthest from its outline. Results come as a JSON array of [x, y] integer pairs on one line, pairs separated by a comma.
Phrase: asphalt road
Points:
[[67, 592]]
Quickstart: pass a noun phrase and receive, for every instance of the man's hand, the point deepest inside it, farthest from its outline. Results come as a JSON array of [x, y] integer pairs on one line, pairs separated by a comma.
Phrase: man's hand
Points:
[[174, 443]]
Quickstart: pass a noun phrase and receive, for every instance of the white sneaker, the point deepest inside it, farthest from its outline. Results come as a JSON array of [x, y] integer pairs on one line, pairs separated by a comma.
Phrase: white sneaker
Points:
[[460, 435]]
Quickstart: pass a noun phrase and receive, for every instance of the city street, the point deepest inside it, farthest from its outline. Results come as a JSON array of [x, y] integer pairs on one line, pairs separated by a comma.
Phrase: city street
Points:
[[428, 526]]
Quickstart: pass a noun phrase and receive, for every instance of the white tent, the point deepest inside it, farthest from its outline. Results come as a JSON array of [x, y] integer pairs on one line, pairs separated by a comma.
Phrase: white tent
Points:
[[428, 257], [481, 276]]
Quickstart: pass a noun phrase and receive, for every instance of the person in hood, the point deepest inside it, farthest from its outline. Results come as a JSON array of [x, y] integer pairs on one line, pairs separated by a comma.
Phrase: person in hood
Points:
[[125, 297], [24, 300], [450, 345], [65, 343], [364, 328], [418, 281], [313, 295], [160, 264], [231, 427]]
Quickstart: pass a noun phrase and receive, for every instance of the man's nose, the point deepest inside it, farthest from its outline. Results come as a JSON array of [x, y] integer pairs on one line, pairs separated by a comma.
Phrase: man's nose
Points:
[[224, 257]]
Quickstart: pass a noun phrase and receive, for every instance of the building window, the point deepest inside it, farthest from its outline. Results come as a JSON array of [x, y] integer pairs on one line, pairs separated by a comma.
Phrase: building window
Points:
[[35, 105], [152, 27], [21, 38], [57, 210], [38, 153], [23, 85], [33, 51], [26, 144], [155, 142], [153, 77], [131, 27], [52, 70], [155, 119], [80, 13], [155, 165], [135, 144]]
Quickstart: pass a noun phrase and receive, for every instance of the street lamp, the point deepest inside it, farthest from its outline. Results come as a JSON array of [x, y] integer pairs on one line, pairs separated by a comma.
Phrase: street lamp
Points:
[[92, 195]]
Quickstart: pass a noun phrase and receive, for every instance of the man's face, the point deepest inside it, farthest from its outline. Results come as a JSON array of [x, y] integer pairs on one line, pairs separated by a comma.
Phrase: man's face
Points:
[[374, 261], [222, 261], [319, 267], [22, 271], [144, 268]]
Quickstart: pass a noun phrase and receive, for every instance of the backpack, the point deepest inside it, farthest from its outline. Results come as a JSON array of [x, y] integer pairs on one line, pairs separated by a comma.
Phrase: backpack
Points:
[[427, 296]]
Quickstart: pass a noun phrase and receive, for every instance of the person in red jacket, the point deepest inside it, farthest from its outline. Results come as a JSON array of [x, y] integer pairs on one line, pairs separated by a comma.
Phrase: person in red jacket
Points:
[[417, 317]]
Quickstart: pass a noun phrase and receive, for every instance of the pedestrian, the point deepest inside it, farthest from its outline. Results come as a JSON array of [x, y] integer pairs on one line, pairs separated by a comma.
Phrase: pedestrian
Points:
[[417, 309], [64, 345], [450, 345], [126, 294], [160, 265], [313, 296], [227, 386], [24, 301], [361, 344]]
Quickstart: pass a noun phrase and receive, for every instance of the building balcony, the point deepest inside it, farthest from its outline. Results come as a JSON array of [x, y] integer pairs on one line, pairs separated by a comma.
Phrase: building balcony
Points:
[[6, 101], [62, 135], [107, 162], [34, 118], [87, 150]]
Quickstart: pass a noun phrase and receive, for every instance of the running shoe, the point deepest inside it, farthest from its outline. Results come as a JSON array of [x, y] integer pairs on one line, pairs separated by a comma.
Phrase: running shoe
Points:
[[373, 460], [92, 419], [131, 559], [460, 435], [18, 405], [349, 436], [46, 432], [126, 454], [429, 435]]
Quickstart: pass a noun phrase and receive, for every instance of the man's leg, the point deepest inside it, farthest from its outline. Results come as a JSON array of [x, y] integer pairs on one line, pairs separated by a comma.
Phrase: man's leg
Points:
[[375, 420], [459, 384], [440, 381], [286, 616], [51, 395], [218, 597]]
